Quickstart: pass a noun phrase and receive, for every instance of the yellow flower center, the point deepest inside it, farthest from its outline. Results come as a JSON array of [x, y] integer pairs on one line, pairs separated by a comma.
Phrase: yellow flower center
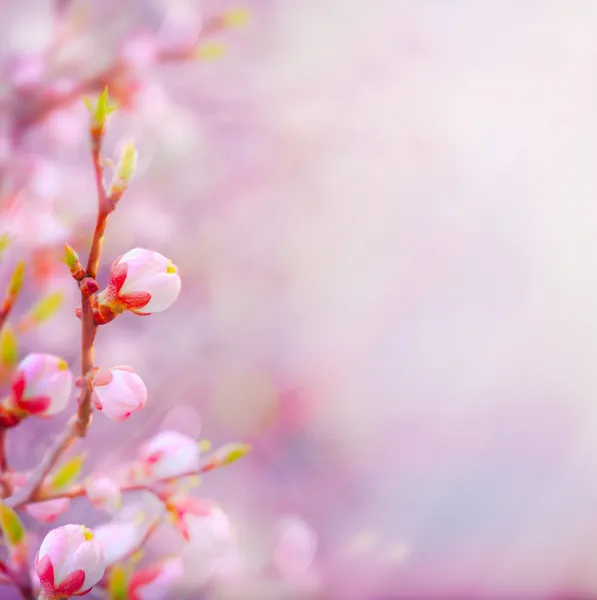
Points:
[[62, 365], [87, 534], [171, 268]]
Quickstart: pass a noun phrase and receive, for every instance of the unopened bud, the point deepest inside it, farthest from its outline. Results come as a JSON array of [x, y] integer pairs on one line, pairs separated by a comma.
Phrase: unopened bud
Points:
[[71, 258], [100, 111], [70, 562], [88, 286], [124, 171]]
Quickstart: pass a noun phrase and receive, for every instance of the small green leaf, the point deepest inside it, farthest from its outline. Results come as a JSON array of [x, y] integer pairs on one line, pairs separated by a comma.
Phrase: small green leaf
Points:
[[9, 347], [71, 258], [237, 17], [127, 162], [17, 279], [47, 307], [100, 110], [118, 580], [11, 525], [4, 242], [68, 472], [210, 51], [231, 452]]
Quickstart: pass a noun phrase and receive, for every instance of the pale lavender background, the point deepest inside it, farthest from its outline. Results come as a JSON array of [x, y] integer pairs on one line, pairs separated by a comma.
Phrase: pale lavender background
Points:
[[384, 215]]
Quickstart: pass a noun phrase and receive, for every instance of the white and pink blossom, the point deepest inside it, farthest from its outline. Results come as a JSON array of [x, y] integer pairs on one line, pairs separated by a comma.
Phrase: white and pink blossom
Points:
[[103, 492], [170, 454], [158, 581], [69, 563], [120, 539], [41, 386], [118, 392], [141, 281]]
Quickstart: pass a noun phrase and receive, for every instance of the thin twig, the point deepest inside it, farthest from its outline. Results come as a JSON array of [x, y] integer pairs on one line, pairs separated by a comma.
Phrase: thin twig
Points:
[[76, 490], [3, 460], [61, 444], [77, 426]]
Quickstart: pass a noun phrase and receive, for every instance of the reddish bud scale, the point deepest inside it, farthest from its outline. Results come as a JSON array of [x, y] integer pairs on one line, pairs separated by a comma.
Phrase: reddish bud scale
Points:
[[88, 286]]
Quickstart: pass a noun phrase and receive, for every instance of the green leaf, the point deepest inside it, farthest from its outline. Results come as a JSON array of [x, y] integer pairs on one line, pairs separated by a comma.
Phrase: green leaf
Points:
[[210, 51], [118, 580], [231, 452], [71, 258], [11, 525], [237, 17], [4, 242], [9, 347], [17, 279], [101, 109], [68, 472], [127, 162], [47, 307]]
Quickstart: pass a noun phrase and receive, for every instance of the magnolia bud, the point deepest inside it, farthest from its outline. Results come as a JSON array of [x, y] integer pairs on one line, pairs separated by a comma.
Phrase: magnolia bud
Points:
[[103, 492], [118, 392], [170, 454], [41, 385], [141, 281], [48, 511], [69, 563]]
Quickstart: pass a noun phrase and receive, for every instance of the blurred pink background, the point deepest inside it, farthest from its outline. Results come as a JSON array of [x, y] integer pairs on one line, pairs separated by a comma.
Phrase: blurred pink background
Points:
[[384, 217]]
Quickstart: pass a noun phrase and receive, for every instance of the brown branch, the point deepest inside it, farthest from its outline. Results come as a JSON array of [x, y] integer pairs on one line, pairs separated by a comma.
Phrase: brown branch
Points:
[[3, 460], [78, 425], [61, 444], [77, 490]]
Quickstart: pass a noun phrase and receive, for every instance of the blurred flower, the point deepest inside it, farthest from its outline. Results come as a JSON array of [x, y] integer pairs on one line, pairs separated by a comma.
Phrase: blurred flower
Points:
[[170, 454], [48, 511], [181, 508], [141, 281], [121, 538], [118, 392], [209, 540], [41, 386], [103, 492], [139, 50], [295, 547], [202, 523], [70, 562], [25, 71], [158, 581]]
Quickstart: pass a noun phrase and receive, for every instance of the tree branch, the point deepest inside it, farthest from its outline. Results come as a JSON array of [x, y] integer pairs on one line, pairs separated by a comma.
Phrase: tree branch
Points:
[[78, 425]]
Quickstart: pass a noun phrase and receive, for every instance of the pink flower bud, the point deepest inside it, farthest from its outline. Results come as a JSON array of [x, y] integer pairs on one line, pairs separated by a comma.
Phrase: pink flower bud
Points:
[[103, 492], [69, 563], [41, 385], [170, 454], [158, 581], [118, 392], [141, 281], [48, 511]]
